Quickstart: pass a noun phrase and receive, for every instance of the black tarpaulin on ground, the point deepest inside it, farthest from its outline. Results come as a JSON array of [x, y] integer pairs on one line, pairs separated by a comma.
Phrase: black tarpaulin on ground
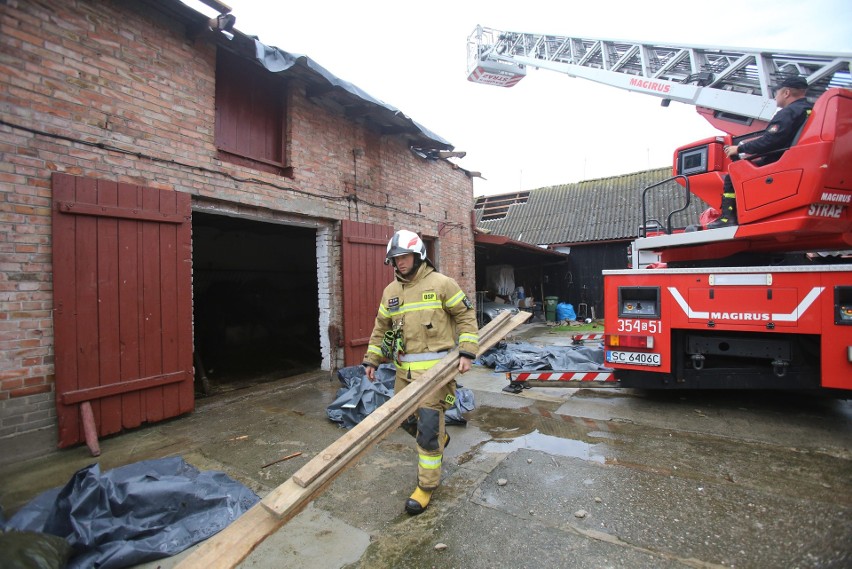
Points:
[[525, 356], [135, 513], [359, 396]]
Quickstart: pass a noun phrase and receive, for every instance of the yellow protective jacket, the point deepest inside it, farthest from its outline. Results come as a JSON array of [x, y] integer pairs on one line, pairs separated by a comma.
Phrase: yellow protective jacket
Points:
[[432, 313]]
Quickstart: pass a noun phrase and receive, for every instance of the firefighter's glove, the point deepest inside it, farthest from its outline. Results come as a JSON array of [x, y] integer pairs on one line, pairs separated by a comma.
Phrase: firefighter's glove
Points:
[[387, 344]]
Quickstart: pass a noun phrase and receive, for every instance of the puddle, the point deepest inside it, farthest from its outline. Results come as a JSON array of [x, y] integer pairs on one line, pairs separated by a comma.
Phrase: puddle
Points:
[[604, 435], [545, 443], [540, 430]]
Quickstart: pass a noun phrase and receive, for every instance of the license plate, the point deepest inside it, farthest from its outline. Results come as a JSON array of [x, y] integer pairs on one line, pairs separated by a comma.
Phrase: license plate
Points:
[[633, 358]]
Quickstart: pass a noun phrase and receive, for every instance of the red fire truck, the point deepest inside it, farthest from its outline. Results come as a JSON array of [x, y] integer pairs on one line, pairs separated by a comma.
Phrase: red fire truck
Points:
[[765, 304]]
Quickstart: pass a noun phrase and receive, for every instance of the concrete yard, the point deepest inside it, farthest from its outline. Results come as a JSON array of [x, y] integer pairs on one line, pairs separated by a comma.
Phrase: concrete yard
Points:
[[549, 477]]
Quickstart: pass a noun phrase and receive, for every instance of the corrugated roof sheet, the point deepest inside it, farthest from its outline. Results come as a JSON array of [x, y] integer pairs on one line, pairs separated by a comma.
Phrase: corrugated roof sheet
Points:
[[606, 209]]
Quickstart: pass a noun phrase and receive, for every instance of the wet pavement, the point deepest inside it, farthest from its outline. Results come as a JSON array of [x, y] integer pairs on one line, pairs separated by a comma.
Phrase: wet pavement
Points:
[[552, 477]]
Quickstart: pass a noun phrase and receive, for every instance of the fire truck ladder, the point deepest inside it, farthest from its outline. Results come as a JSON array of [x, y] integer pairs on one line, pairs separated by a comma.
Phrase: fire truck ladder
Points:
[[733, 84]]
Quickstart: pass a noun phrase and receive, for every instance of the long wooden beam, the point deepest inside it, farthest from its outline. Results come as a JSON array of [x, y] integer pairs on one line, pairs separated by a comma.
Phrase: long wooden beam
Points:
[[389, 416], [233, 544]]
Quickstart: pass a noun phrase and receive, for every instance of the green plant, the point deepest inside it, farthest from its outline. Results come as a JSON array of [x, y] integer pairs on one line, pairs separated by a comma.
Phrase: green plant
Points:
[[596, 326]]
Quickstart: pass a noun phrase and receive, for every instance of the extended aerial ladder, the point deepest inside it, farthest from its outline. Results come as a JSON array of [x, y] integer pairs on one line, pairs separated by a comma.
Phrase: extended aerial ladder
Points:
[[723, 308], [730, 87]]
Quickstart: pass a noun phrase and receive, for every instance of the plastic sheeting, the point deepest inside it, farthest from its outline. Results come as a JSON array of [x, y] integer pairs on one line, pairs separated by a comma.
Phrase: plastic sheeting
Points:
[[526, 356], [279, 61], [464, 403], [135, 513], [565, 311], [359, 396]]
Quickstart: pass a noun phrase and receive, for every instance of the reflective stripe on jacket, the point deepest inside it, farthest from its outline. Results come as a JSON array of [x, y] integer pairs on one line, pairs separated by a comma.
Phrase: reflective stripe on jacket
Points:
[[434, 313]]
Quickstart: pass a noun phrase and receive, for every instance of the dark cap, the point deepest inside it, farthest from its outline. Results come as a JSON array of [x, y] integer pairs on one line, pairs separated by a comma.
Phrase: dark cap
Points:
[[795, 82]]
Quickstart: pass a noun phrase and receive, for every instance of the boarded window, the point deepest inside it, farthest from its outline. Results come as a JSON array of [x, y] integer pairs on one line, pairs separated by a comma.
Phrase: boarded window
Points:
[[250, 112]]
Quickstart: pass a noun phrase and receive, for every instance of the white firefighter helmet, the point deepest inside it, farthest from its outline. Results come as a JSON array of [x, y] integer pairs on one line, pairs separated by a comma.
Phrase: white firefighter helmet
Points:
[[404, 242]]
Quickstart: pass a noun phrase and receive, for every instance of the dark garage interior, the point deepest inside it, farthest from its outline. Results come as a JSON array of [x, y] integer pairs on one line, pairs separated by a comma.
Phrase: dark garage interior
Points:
[[255, 303]]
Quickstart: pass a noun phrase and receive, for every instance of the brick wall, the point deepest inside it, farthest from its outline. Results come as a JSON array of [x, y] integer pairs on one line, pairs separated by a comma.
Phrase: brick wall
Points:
[[113, 90]]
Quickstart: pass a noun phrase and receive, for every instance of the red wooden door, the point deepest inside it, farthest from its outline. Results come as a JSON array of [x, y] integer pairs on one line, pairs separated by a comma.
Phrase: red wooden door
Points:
[[122, 304], [365, 276]]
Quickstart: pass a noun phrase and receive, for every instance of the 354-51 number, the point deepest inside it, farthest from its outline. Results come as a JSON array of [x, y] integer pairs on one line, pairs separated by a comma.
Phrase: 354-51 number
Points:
[[640, 325]]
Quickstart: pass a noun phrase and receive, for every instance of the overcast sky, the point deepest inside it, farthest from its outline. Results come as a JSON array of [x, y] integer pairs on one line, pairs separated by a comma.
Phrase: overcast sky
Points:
[[549, 129]]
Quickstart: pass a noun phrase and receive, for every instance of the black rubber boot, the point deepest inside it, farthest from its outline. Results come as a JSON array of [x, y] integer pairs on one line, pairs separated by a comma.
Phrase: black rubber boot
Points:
[[728, 218]]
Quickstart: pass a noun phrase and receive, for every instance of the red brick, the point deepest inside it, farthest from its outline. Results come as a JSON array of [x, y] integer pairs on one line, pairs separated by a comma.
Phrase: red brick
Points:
[[36, 389], [33, 381], [10, 384], [11, 374]]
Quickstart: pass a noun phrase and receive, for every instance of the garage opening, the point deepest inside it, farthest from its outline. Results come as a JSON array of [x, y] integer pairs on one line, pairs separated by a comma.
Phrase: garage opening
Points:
[[255, 302]]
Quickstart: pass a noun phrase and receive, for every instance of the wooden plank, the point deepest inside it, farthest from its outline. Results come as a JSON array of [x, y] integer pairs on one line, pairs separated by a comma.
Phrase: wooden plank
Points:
[[230, 546], [98, 210], [65, 309], [388, 417], [107, 315], [152, 316], [129, 307], [86, 252], [397, 408], [380, 241], [355, 342], [119, 388], [168, 303]]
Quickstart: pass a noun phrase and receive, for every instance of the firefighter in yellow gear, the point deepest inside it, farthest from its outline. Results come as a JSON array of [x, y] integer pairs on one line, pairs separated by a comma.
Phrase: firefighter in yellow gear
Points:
[[422, 315]]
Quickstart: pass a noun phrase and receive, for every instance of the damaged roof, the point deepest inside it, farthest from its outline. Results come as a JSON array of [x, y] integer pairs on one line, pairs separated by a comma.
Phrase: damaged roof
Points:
[[322, 85], [502, 250], [607, 209], [355, 101]]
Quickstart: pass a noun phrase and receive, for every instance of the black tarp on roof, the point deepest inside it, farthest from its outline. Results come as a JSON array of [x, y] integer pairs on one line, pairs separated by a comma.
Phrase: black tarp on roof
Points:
[[277, 60]]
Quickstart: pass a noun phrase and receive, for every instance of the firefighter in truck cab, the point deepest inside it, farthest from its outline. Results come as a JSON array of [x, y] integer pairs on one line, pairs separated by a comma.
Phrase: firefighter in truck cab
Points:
[[422, 316], [778, 136]]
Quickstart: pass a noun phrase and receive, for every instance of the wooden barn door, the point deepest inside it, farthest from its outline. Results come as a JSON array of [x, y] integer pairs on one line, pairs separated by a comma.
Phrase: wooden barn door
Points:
[[365, 276], [122, 305]]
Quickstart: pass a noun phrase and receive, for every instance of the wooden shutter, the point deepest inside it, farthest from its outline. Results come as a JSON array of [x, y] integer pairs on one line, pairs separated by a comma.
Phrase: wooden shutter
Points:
[[365, 276], [122, 304], [249, 110]]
